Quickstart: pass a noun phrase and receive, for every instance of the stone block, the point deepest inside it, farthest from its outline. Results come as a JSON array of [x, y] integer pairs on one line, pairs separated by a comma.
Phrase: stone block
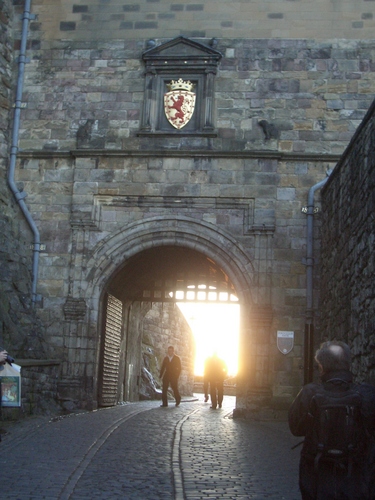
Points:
[[85, 188]]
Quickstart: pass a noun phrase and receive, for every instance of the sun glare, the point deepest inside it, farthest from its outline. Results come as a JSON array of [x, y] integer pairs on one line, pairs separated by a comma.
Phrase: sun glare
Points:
[[216, 329]]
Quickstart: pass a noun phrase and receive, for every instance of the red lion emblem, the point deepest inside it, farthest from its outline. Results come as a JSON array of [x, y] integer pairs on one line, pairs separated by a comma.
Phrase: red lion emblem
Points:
[[177, 105]]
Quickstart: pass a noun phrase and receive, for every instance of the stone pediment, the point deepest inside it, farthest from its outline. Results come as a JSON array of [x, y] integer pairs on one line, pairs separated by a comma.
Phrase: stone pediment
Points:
[[182, 48], [185, 60]]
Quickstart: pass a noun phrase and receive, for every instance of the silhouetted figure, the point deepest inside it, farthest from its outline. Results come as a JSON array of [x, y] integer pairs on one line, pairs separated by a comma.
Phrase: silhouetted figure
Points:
[[337, 418], [205, 381], [215, 374], [170, 371]]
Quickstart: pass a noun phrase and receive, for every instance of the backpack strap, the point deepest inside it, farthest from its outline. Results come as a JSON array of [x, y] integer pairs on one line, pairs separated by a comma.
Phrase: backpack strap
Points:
[[296, 445]]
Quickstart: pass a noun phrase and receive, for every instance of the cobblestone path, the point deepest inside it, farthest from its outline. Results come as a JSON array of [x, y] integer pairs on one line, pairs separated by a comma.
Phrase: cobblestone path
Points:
[[144, 452]]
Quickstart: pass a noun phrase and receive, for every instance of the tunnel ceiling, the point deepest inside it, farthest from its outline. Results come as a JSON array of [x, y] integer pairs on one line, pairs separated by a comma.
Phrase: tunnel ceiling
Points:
[[169, 274]]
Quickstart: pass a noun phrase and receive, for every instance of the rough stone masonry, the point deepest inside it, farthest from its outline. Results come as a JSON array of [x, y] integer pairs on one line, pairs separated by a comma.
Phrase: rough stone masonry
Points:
[[284, 96]]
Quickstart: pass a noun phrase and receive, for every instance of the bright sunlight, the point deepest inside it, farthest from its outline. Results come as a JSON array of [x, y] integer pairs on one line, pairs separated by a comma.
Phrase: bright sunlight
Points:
[[216, 329]]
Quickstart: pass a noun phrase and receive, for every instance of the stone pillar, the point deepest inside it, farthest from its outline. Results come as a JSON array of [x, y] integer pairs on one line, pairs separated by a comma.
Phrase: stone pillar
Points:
[[149, 102], [208, 100], [263, 257], [80, 343], [254, 389]]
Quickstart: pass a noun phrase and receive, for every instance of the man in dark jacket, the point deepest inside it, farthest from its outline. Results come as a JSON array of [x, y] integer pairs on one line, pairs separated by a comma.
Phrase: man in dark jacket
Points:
[[324, 479], [170, 371]]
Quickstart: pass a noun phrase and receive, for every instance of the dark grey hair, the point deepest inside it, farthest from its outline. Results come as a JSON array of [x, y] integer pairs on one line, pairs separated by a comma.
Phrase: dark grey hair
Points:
[[334, 355]]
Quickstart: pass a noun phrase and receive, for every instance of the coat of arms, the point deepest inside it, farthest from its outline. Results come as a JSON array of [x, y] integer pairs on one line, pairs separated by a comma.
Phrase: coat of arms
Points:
[[179, 103]]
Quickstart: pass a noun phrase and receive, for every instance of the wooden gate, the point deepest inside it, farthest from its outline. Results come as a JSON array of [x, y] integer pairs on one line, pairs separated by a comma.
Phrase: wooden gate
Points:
[[111, 352]]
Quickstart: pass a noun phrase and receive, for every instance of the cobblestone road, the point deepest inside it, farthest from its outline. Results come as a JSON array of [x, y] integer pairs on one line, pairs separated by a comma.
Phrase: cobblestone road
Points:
[[141, 451]]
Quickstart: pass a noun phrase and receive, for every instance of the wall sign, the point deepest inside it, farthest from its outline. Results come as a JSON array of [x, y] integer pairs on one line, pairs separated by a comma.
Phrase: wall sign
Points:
[[285, 341]]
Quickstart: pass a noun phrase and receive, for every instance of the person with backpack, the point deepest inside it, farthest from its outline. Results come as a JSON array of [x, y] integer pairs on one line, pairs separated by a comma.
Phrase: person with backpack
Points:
[[337, 419]]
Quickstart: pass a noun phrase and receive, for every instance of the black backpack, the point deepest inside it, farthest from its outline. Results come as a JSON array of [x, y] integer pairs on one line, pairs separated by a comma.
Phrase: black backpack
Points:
[[337, 433]]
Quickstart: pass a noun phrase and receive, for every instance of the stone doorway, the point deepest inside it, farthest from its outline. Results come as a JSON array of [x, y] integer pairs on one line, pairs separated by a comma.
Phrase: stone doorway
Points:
[[141, 317], [121, 265]]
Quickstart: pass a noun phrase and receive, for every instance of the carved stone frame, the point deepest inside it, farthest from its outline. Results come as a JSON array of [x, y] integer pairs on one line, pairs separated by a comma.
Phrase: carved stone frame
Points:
[[189, 60]]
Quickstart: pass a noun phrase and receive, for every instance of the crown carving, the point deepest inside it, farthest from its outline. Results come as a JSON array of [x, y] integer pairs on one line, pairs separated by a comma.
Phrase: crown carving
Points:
[[180, 84]]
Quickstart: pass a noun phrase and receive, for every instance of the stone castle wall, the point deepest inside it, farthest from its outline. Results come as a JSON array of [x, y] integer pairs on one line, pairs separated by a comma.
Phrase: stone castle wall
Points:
[[82, 223], [292, 96], [348, 262], [114, 19], [310, 90], [20, 331], [286, 104], [9, 223]]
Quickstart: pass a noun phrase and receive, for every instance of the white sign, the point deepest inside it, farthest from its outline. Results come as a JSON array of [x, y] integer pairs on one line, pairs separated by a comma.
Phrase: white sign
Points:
[[285, 341]]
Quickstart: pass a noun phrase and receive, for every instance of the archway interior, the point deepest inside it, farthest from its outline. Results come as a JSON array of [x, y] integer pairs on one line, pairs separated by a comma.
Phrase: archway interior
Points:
[[146, 290], [172, 274]]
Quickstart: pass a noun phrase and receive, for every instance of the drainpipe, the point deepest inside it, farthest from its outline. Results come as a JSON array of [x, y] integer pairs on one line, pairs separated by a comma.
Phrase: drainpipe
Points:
[[19, 196], [309, 325]]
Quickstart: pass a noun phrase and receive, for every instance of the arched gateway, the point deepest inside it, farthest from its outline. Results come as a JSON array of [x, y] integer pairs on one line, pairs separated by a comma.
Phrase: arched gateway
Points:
[[171, 252]]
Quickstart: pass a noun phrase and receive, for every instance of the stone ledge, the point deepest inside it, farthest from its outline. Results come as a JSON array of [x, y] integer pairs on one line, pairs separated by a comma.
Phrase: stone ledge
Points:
[[37, 362], [161, 133], [171, 153]]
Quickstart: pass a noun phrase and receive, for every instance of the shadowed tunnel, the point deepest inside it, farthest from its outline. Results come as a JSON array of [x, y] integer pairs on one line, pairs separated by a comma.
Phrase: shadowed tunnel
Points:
[[156, 274]]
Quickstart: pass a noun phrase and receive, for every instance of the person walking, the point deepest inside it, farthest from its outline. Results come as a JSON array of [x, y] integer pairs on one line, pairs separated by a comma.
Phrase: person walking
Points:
[[337, 418], [205, 379], [215, 374], [170, 371], [4, 357]]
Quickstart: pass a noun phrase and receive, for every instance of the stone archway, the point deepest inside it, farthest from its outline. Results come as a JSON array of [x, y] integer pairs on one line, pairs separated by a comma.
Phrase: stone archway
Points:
[[111, 254], [161, 275], [113, 251]]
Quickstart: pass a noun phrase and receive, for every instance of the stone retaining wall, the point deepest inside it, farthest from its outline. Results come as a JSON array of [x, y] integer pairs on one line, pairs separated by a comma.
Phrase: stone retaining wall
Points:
[[348, 257]]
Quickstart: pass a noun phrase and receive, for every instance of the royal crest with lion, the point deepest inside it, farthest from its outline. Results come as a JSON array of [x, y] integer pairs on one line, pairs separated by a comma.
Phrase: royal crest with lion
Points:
[[179, 103]]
